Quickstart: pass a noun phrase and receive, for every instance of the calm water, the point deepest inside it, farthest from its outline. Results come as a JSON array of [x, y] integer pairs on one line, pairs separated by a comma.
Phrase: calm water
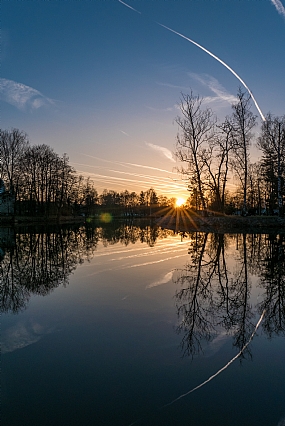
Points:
[[110, 325]]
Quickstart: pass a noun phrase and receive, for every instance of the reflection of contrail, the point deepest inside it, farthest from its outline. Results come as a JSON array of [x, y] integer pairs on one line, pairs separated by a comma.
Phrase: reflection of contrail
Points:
[[222, 369], [138, 264], [222, 62]]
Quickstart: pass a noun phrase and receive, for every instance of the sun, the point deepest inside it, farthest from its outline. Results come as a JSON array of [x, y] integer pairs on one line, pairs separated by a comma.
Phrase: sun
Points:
[[179, 202]]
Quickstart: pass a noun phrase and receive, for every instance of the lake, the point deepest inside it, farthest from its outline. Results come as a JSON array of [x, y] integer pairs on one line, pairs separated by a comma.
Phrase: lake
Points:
[[116, 324]]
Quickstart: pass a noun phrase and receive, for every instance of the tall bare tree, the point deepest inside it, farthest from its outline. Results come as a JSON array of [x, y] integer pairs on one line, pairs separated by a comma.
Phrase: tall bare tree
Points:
[[272, 144], [243, 120], [12, 147], [217, 160], [196, 125]]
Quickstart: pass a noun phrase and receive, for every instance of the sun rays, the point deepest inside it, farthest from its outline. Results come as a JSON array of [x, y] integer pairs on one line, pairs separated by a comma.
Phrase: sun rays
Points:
[[177, 217]]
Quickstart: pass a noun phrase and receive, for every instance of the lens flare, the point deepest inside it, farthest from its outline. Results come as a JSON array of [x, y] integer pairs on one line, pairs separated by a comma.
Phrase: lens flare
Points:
[[106, 217]]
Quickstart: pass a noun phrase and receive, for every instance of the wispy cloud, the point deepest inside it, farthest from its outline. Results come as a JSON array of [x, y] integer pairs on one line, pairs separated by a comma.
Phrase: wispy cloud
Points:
[[165, 151], [22, 96], [279, 7], [130, 7], [161, 109], [213, 84], [173, 86], [124, 133]]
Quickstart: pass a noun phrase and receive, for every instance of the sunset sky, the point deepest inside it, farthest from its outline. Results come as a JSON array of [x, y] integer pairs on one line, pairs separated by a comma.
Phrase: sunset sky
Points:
[[101, 80]]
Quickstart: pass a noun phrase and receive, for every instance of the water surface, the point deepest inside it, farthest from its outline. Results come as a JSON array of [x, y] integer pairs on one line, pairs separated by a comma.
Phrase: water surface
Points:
[[109, 325]]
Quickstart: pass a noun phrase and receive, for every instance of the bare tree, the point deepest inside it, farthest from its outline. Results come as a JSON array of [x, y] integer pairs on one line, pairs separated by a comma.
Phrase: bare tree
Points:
[[216, 160], [272, 144], [197, 128], [243, 121], [12, 146]]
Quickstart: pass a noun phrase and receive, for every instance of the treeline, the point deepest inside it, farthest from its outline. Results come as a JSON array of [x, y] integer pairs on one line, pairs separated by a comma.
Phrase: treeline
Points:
[[44, 183], [212, 152]]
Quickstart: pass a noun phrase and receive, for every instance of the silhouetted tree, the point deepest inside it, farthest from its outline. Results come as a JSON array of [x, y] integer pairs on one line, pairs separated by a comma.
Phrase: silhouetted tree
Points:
[[242, 122], [272, 144], [196, 131]]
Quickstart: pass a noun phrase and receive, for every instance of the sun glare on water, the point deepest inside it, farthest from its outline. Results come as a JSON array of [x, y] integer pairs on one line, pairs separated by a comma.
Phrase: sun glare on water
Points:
[[179, 202]]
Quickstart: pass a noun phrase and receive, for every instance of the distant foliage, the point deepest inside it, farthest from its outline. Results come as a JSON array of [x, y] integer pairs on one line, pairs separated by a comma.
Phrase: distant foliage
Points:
[[43, 183]]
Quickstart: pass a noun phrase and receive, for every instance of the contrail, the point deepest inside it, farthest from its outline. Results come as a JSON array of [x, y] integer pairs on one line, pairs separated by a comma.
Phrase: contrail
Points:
[[130, 7], [130, 164], [222, 369], [279, 7], [222, 62]]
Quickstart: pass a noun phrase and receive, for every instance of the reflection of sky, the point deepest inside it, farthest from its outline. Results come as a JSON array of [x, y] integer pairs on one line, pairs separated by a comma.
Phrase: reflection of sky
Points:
[[98, 79], [106, 343]]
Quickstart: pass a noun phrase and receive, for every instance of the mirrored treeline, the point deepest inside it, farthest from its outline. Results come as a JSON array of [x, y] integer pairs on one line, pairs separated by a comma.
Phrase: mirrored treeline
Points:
[[213, 293]]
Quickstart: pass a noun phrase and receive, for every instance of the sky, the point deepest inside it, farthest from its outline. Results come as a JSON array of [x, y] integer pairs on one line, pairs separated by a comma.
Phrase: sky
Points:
[[101, 80]]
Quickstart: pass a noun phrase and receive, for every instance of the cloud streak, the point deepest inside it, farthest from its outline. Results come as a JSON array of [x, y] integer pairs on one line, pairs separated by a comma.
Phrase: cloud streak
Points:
[[123, 163], [21, 96], [214, 85], [279, 7], [162, 150]]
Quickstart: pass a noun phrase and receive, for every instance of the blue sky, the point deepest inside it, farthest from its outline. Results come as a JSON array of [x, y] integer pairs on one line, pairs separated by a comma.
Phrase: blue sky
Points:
[[101, 81]]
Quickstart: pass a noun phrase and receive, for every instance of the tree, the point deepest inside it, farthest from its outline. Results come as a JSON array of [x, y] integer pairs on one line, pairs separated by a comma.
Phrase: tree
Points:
[[242, 121], [272, 144], [12, 147], [216, 159], [197, 129]]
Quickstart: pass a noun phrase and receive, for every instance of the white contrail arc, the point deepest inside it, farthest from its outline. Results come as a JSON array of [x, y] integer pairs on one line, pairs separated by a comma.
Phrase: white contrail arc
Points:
[[222, 62], [222, 369], [279, 7]]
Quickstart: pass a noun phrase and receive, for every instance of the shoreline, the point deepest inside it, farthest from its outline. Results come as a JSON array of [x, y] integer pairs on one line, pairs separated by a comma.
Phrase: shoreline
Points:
[[224, 224]]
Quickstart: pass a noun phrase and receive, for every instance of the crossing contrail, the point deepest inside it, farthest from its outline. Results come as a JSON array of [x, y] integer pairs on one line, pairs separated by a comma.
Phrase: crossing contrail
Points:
[[130, 7], [221, 62]]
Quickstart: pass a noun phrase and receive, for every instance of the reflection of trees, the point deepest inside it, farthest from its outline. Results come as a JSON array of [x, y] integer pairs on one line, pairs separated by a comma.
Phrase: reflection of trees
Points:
[[37, 262], [273, 282], [129, 234], [215, 288], [194, 299], [40, 262], [240, 310]]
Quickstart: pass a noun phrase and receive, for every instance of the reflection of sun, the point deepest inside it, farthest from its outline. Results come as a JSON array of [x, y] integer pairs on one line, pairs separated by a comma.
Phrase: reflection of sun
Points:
[[179, 202]]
